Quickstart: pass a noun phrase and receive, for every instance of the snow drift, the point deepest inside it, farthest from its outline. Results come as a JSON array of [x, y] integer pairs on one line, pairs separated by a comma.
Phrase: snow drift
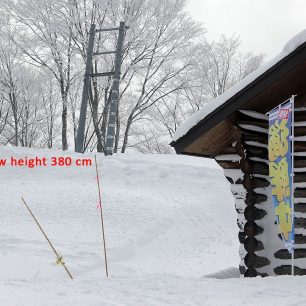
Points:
[[170, 230]]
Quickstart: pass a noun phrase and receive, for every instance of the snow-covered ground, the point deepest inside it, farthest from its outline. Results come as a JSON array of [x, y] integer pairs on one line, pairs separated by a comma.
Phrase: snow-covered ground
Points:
[[170, 228]]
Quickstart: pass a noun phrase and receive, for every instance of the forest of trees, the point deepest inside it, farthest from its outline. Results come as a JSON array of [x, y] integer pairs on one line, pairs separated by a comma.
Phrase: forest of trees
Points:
[[169, 71]]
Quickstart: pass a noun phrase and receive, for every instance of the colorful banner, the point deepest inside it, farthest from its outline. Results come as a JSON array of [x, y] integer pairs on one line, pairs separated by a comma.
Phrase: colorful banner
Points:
[[280, 170]]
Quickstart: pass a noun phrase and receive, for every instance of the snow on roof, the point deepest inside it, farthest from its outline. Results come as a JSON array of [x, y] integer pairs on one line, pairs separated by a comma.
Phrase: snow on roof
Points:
[[192, 121]]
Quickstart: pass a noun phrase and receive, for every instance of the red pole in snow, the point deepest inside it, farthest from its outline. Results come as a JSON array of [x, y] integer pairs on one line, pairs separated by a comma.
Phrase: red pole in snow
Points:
[[101, 215]]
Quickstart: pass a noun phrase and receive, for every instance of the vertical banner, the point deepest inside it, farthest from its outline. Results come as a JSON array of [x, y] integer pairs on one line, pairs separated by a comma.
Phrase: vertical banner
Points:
[[280, 170]]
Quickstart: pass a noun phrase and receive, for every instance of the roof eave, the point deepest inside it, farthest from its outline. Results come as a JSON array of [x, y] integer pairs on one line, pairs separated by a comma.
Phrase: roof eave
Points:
[[226, 109]]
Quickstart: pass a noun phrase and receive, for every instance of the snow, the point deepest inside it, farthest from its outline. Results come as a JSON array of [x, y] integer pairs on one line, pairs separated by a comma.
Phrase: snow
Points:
[[300, 185], [218, 102], [160, 229], [234, 174], [302, 169], [300, 200], [301, 123], [295, 42], [299, 153], [231, 157], [300, 138], [257, 144], [261, 160], [253, 128], [170, 226], [299, 109], [254, 114]]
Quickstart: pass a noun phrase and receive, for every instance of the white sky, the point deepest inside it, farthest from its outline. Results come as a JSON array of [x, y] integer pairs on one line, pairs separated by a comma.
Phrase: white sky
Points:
[[264, 26]]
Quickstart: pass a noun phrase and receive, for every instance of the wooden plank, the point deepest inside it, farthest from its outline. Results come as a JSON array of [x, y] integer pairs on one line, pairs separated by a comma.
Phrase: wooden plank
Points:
[[286, 270], [299, 146], [300, 193], [256, 152], [299, 239], [226, 164], [255, 198], [254, 123], [300, 177], [251, 244], [228, 150], [251, 213], [255, 261], [284, 254], [300, 207], [300, 222], [252, 183], [212, 142], [252, 229]]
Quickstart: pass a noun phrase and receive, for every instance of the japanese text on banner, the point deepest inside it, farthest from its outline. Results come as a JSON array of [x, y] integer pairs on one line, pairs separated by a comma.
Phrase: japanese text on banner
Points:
[[280, 170]]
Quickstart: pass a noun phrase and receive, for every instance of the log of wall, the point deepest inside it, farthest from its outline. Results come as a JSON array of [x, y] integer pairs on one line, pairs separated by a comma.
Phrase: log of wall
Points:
[[243, 185], [245, 165]]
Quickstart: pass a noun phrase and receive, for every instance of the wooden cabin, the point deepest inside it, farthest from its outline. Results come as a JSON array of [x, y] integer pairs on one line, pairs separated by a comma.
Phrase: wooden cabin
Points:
[[233, 129]]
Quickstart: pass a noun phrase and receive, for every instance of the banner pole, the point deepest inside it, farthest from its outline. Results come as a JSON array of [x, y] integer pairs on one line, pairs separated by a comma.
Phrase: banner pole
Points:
[[292, 181]]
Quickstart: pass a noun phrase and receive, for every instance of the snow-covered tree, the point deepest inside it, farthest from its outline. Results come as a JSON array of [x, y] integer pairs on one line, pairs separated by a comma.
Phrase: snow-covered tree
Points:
[[169, 71]]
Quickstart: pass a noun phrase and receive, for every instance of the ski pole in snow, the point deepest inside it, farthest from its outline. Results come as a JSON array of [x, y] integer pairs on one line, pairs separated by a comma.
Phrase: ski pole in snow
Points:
[[101, 215], [59, 258]]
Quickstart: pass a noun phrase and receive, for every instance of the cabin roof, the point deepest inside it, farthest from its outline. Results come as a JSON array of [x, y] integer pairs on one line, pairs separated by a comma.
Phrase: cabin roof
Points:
[[208, 130]]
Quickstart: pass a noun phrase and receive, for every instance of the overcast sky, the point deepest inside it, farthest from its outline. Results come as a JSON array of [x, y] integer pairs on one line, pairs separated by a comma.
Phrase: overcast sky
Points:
[[263, 25]]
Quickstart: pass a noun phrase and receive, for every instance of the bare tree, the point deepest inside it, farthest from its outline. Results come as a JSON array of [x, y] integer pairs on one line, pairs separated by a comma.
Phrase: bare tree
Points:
[[4, 114], [169, 71], [19, 92], [216, 66], [50, 107], [47, 40], [221, 64], [11, 84], [157, 54], [154, 57]]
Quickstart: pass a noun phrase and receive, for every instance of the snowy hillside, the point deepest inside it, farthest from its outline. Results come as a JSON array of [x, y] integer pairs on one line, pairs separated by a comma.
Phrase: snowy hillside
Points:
[[170, 228]]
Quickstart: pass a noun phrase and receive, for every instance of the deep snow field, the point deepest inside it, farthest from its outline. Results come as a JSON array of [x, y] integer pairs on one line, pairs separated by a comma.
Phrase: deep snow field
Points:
[[170, 228]]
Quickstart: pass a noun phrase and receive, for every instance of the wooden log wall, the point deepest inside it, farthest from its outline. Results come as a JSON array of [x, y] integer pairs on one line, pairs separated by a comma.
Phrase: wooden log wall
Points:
[[245, 164]]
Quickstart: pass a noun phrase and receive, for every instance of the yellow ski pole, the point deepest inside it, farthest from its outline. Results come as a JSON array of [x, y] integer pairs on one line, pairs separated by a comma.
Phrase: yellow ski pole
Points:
[[59, 258]]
